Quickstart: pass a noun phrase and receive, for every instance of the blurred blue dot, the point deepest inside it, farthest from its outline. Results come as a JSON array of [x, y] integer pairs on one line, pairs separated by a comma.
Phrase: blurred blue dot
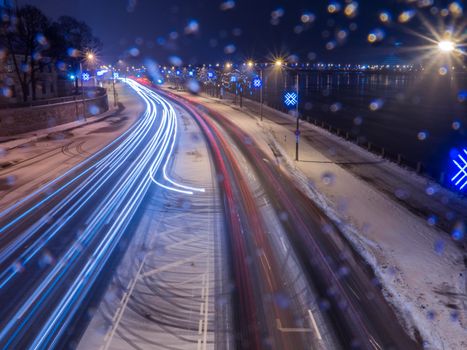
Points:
[[439, 246], [454, 315], [432, 220], [457, 234]]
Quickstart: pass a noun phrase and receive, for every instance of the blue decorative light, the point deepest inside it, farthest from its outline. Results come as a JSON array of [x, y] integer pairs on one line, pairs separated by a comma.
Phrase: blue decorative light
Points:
[[291, 99], [460, 178], [116, 75], [210, 74], [191, 73], [233, 79], [86, 76], [257, 82]]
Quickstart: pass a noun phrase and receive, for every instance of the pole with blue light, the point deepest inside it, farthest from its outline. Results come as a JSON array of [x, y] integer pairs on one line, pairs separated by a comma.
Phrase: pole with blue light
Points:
[[291, 102], [297, 130], [114, 76], [82, 89], [261, 94], [258, 84]]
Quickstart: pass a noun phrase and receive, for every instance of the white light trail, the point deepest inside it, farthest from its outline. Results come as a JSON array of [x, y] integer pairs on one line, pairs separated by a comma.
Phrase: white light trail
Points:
[[155, 133]]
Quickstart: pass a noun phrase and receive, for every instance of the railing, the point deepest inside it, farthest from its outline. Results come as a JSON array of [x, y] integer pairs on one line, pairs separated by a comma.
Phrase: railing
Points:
[[89, 93], [382, 152], [57, 111]]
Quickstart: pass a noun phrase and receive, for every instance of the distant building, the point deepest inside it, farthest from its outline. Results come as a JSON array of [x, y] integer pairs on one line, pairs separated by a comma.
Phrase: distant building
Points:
[[11, 92], [393, 60]]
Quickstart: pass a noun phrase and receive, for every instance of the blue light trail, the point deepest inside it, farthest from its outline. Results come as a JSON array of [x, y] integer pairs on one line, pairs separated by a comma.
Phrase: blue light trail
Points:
[[155, 133]]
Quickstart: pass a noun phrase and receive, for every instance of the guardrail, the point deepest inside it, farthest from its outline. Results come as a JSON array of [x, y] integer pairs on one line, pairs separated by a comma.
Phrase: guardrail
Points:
[[397, 158]]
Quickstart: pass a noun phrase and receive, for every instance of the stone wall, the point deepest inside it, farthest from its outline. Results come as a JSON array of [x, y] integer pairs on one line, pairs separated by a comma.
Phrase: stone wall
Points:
[[14, 121]]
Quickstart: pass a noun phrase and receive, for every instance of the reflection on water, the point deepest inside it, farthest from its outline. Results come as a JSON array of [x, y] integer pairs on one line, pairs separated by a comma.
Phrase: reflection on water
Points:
[[422, 117]]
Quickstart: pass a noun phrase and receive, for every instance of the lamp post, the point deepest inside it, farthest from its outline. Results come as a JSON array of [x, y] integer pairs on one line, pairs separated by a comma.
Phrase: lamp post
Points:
[[82, 89], [261, 94], [113, 87], [88, 57], [258, 84], [279, 63], [297, 130]]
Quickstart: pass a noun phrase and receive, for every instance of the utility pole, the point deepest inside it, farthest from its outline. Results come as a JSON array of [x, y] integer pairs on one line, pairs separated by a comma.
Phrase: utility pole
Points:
[[297, 130], [261, 94], [241, 94], [82, 89], [115, 91]]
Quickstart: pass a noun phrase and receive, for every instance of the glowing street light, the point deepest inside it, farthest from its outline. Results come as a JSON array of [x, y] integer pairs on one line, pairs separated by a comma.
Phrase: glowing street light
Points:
[[250, 64], [278, 63], [446, 46]]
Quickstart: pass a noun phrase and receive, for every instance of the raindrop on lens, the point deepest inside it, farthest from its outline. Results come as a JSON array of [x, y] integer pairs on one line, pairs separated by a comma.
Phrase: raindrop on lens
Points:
[[422, 135], [358, 120], [328, 178], [439, 246]]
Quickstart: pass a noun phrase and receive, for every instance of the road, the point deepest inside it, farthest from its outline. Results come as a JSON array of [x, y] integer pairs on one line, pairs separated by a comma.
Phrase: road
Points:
[[32, 160], [347, 289], [57, 240], [227, 253], [171, 289], [158, 305]]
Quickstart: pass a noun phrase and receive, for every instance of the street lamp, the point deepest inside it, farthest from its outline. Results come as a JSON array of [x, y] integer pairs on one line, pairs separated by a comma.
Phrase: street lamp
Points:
[[88, 57], [114, 76], [261, 94], [258, 83], [279, 63], [297, 131], [446, 46]]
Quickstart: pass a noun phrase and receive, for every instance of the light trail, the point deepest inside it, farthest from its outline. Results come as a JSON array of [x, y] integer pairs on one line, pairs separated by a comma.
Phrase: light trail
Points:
[[172, 116], [155, 133]]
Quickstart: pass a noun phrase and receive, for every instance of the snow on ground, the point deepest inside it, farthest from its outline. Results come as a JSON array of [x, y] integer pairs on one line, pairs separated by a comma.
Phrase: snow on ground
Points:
[[421, 268], [30, 160]]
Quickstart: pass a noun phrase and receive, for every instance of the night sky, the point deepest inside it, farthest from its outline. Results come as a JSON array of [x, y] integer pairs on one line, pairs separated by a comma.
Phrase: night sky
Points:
[[160, 29]]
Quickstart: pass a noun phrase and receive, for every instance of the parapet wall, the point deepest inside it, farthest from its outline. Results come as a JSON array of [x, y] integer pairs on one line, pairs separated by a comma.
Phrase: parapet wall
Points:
[[14, 121]]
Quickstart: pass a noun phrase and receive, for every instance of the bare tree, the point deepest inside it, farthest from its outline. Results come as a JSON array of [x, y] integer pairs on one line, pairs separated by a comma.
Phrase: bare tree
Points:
[[26, 43], [32, 41], [75, 39]]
